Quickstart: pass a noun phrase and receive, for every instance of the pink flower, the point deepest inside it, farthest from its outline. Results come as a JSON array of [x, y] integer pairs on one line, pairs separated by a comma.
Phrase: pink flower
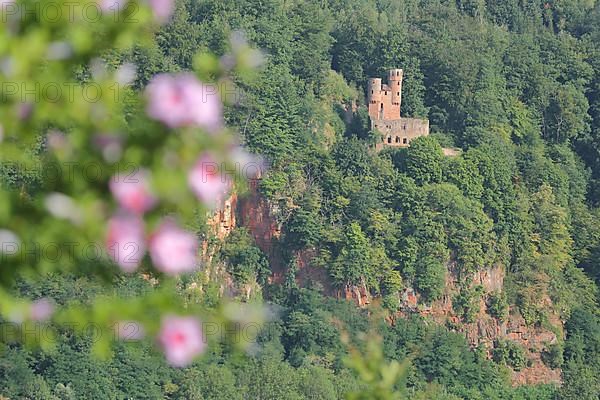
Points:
[[132, 191], [24, 111], [9, 243], [181, 339], [112, 5], [182, 100], [125, 241], [63, 206], [41, 310], [111, 146], [8, 8], [247, 165], [57, 140], [173, 250], [129, 330], [162, 9], [207, 183]]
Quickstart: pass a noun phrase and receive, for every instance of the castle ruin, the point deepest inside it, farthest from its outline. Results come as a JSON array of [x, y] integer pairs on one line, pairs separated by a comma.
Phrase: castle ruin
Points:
[[384, 112]]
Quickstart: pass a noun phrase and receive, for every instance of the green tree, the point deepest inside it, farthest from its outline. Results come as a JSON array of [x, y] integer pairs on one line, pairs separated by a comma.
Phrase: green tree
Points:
[[244, 260], [566, 116], [510, 353], [268, 378], [272, 123], [424, 160], [353, 264]]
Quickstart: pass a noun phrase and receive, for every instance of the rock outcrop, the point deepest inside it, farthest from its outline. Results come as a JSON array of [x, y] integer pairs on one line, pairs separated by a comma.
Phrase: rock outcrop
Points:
[[486, 330], [255, 213]]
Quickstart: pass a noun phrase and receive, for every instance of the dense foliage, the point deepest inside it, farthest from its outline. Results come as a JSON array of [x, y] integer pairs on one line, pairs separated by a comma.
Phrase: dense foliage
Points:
[[515, 85]]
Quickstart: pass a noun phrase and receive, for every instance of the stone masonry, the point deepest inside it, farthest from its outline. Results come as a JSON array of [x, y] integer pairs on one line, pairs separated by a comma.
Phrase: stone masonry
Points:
[[384, 112]]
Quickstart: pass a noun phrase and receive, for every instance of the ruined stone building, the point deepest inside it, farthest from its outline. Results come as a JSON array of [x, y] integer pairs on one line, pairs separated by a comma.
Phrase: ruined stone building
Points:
[[384, 112]]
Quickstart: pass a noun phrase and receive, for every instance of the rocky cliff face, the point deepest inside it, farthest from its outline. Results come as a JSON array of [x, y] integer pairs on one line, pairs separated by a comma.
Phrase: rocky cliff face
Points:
[[485, 330], [258, 215], [255, 213], [220, 224], [223, 220]]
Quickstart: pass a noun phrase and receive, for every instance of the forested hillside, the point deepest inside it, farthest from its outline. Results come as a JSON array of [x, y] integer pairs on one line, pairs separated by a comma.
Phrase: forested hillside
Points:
[[515, 85]]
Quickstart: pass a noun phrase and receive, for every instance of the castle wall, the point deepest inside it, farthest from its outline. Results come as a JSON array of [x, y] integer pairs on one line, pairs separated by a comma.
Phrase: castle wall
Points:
[[399, 133]]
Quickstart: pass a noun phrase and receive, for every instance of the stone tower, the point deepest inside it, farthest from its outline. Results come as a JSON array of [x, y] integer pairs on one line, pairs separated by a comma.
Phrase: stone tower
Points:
[[384, 99], [374, 95], [384, 111], [395, 83]]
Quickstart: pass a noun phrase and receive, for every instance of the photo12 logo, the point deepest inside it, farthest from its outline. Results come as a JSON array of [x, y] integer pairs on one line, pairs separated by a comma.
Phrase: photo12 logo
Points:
[[70, 11], [21, 331], [70, 171], [53, 92], [11, 247]]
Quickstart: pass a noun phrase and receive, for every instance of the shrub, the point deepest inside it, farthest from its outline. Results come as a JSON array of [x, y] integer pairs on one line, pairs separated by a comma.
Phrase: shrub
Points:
[[245, 261], [509, 353], [497, 306], [466, 303], [552, 356]]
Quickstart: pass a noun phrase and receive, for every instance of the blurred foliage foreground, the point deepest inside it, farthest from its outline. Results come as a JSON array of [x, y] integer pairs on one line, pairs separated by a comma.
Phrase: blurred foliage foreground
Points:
[[127, 176]]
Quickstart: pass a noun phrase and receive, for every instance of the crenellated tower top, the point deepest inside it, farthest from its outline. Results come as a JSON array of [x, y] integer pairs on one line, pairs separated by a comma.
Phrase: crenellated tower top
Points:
[[385, 99], [384, 111]]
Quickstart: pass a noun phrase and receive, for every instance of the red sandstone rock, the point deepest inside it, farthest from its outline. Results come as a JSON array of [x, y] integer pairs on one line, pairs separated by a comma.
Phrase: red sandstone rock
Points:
[[256, 214]]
